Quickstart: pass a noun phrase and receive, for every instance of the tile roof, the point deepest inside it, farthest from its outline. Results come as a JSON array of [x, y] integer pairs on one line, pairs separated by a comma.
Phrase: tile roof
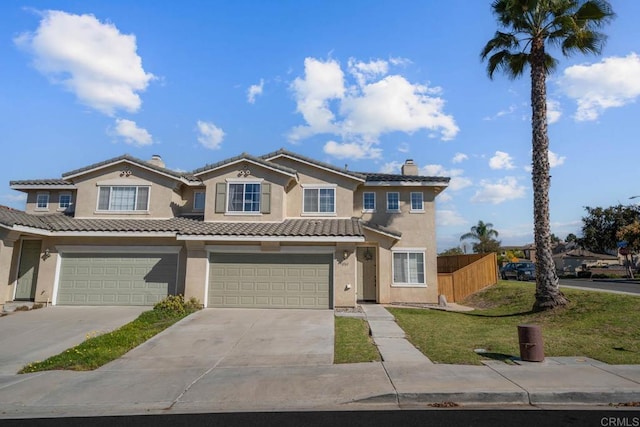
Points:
[[377, 177], [245, 156], [59, 222], [43, 182], [287, 153], [126, 157]]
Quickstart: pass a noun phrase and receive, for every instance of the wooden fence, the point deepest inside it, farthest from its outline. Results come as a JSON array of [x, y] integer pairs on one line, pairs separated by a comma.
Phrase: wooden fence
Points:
[[462, 275]]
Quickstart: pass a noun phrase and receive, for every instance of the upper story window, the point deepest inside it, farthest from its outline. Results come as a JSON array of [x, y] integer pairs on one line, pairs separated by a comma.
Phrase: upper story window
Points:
[[244, 197], [369, 202], [408, 268], [198, 200], [64, 200], [393, 202], [319, 200], [417, 202], [42, 201], [123, 198]]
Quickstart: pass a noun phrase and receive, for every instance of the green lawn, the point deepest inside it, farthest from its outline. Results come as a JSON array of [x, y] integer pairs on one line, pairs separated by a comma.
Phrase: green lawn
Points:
[[99, 350], [599, 325], [352, 341]]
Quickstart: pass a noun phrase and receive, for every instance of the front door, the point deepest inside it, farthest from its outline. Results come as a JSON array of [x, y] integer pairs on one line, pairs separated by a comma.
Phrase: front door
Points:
[[366, 273], [28, 270]]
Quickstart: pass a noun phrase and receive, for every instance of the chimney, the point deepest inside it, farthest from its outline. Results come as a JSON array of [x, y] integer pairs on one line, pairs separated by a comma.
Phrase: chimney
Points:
[[156, 160], [409, 168]]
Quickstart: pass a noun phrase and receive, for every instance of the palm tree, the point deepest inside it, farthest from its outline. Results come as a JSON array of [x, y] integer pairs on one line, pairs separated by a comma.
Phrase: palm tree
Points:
[[530, 26], [485, 235]]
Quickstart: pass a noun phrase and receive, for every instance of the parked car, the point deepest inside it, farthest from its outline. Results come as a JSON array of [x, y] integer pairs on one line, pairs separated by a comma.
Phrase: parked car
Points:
[[518, 271]]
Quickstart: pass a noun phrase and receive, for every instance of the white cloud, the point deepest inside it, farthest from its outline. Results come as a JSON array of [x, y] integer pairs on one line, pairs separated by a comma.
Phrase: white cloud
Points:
[[367, 71], [360, 113], [612, 82], [323, 82], [398, 61], [459, 158], [89, 58], [499, 191], [352, 150], [512, 109], [132, 134], [556, 160], [448, 217], [253, 91], [458, 182], [445, 197], [501, 160], [391, 167], [403, 147], [553, 111], [210, 136], [20, 197]]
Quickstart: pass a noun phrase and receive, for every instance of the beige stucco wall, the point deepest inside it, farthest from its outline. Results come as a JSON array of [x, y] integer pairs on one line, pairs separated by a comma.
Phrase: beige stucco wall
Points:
[[344, 275], [310, 175], [278, 181], [197, 264], [164, 197], [9, 249], [54, 200]]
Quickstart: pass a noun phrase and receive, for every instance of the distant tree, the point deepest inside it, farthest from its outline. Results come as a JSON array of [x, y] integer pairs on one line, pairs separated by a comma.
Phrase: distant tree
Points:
[[601, 225], [484, 236], [555, 239], [529, 28], [570, 238], [452, 251], [631, 234]]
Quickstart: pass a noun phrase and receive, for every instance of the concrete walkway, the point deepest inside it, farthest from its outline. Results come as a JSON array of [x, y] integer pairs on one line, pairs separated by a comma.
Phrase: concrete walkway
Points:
[[389, 337]]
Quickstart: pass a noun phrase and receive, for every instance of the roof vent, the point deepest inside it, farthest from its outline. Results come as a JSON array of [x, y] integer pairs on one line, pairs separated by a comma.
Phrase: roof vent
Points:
[[156, 160], [409, 168]]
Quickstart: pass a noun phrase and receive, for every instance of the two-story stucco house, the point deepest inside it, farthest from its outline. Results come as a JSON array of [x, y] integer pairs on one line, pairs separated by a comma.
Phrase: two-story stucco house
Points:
[[281, 230]]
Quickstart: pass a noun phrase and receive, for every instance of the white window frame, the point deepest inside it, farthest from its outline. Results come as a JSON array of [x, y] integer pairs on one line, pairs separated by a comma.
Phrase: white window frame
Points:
[[409, 284], [134, 210], [421, 208], [364, 208], [195, 198], [320, 187], [244, 184], [60, 196], [388, 208], [46, 204]]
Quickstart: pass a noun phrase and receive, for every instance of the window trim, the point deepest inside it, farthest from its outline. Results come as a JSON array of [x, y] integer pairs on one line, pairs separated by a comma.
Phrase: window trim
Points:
[[131, 211], [204, 200], [421, 209], [424, 268], [244, 186], [364, 208], [319, 187], [60, 195], [388, 208], [48, 199]]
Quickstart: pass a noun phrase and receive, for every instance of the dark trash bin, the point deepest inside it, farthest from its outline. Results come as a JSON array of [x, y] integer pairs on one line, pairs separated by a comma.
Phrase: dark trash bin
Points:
[[531, 345]]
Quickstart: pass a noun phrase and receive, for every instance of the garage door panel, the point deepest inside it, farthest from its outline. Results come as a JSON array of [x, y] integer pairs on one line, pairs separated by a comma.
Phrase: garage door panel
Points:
[[107, 279], [270, 281]]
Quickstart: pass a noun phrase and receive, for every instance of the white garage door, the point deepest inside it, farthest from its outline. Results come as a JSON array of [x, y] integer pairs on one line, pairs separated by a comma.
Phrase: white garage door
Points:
[[116, 279], [270, 280]]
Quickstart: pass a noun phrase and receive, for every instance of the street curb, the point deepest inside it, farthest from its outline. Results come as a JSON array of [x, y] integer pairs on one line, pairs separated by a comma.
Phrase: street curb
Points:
[[577, 397]]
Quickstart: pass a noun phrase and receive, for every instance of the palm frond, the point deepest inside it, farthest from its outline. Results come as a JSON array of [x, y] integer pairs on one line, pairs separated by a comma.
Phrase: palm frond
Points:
[[500, 41]]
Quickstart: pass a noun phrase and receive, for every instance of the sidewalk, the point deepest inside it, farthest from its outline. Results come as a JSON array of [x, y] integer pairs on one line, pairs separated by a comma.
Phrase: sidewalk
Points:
[[404, 379]]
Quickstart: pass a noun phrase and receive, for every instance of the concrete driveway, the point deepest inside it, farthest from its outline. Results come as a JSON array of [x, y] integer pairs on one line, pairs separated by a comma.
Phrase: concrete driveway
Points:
[[34, 335], [218, 338]]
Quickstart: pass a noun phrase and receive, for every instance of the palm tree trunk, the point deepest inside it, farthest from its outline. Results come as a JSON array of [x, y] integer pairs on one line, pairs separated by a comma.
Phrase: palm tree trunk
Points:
[[548, 294]]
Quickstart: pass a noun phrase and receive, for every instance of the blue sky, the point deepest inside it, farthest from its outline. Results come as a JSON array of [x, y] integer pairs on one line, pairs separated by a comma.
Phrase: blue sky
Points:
[[363, 83]]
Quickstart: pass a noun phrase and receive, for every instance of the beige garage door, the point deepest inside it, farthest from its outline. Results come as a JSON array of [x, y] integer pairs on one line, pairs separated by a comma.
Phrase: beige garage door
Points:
[[270, 281], [116, 279]]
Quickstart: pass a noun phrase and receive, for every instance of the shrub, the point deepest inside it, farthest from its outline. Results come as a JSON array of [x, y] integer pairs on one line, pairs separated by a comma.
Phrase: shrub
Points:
[[584, 274], [37, 306], [177, 305]]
